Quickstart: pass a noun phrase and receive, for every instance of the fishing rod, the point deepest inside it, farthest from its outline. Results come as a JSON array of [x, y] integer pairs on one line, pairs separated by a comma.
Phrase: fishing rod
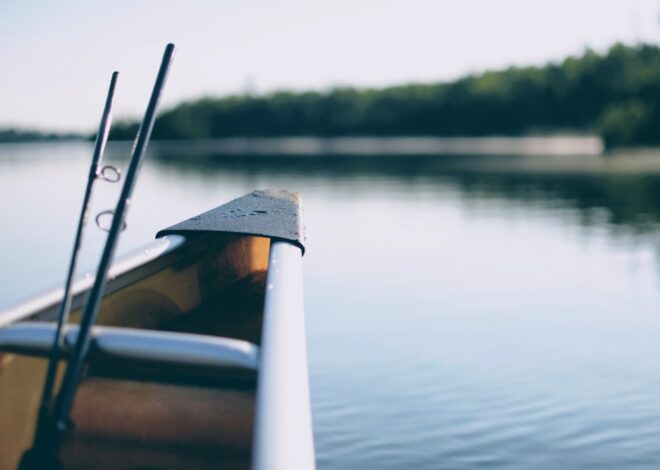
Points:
[[96, 171], [107, 173], [65, 398]]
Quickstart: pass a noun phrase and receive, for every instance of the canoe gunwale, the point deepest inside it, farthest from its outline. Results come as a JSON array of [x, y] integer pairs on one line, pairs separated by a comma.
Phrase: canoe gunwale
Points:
[[43, 306], [283, 437]]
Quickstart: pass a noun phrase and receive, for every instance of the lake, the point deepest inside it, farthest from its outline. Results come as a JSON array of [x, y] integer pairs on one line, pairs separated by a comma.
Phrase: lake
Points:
[[471, 311]]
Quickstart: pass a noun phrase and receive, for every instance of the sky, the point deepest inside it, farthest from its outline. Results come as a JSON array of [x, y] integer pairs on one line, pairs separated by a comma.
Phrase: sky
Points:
[[56, 58]]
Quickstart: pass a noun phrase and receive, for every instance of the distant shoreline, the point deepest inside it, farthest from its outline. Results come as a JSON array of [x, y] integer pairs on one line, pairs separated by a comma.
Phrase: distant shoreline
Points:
[[559, 144], [614, 95], [10, 136], [374, 146], [397, 156]]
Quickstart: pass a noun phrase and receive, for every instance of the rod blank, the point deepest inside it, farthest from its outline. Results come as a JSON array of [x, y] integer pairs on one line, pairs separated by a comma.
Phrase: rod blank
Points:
[[65, 306], [74, 369]]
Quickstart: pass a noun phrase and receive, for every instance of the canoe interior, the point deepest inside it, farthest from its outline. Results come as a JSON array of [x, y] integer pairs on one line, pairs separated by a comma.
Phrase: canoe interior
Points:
[[143, 417]]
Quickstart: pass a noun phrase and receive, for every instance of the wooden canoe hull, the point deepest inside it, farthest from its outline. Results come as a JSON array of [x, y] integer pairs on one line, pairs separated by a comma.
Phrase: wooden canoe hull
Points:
[[212, 285]]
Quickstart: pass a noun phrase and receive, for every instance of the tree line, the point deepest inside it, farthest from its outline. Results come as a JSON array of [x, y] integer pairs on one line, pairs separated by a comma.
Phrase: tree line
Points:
[[615, 94], [21, 135]]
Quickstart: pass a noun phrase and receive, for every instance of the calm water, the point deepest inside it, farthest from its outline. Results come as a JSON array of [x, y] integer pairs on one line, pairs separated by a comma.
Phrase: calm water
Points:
[[462, 312]]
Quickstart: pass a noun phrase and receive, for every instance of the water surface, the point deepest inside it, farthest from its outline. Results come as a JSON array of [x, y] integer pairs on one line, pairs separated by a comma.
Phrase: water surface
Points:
[[462, 312]]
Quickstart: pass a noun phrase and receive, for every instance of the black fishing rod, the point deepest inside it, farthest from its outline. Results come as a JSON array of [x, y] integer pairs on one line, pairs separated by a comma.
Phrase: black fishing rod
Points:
[[96, 171], [65, 398]]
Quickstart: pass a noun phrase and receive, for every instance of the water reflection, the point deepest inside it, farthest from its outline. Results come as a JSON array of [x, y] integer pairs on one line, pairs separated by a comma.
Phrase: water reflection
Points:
[[623, 190]]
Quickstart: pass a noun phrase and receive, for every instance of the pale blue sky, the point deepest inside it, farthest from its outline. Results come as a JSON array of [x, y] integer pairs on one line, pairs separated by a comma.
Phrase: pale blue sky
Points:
[[56, 57]]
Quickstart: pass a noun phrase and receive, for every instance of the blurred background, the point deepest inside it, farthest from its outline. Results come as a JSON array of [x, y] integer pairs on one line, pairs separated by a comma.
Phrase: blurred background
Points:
[[481, 184]]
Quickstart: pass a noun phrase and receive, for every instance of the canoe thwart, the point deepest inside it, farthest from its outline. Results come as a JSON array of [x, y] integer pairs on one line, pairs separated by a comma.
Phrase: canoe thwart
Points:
[[266, 213], [128, 344]]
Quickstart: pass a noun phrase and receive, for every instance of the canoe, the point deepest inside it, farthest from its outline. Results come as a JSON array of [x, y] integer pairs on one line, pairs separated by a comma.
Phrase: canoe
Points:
[[198, 359]]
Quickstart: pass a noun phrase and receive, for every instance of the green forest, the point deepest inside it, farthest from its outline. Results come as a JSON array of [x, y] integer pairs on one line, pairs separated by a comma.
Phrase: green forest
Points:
[[615, 95]]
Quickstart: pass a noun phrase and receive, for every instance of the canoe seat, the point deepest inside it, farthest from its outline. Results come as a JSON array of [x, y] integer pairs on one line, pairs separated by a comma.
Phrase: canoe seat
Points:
[[148, 348]]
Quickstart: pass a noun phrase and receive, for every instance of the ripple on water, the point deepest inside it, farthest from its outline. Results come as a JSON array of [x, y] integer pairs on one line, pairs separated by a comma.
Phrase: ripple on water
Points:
[[423, 421]]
